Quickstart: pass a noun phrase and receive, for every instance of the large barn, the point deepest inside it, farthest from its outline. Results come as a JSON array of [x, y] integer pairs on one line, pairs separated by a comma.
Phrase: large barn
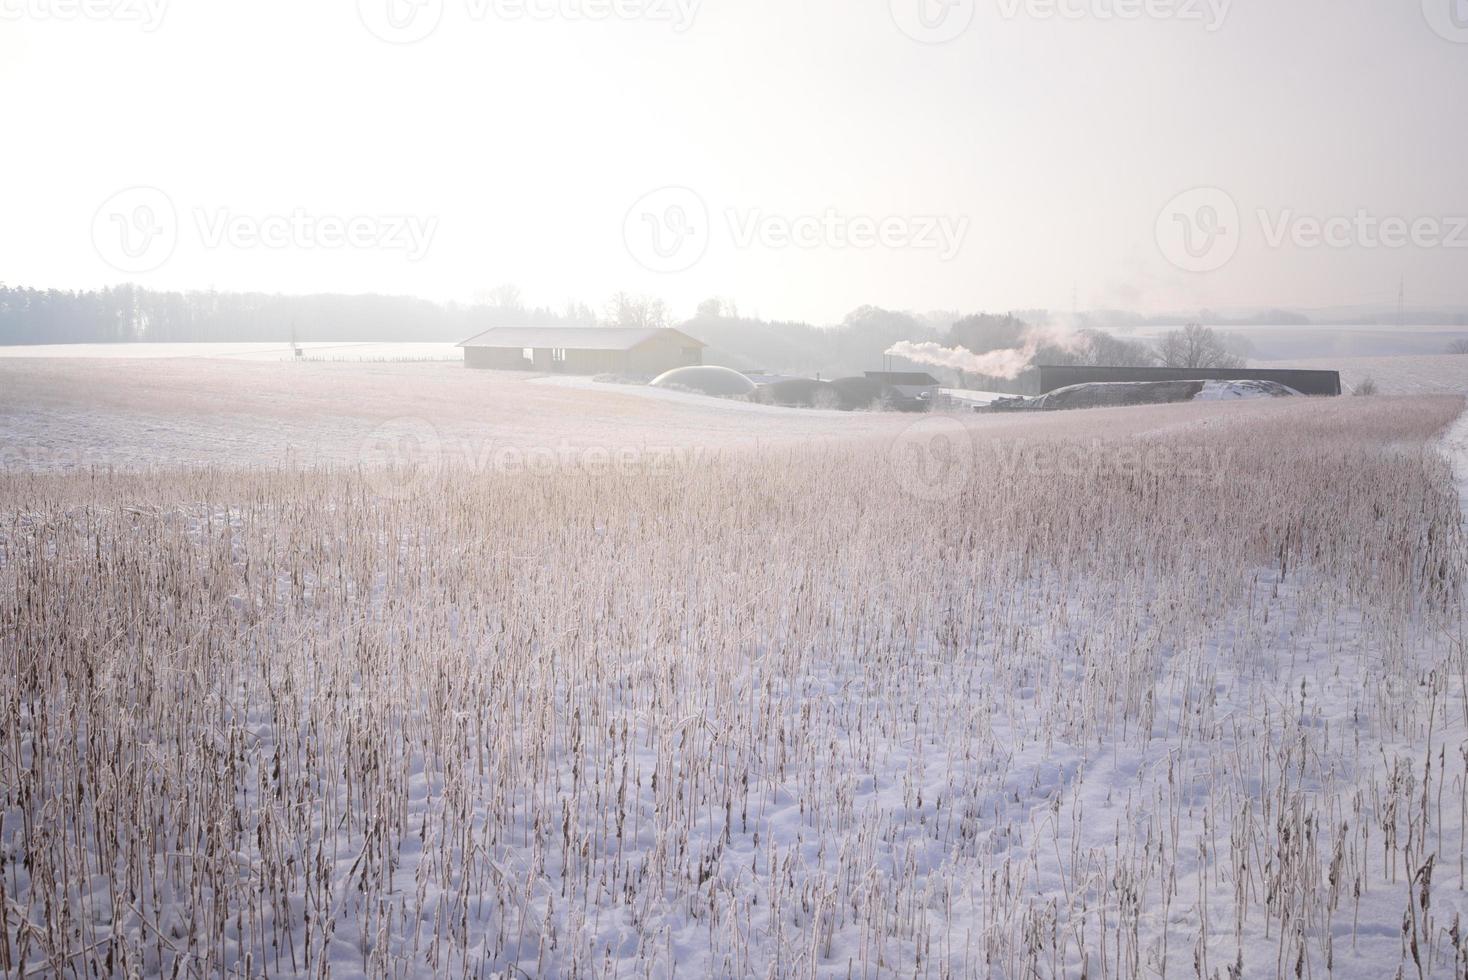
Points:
[[583, 350]]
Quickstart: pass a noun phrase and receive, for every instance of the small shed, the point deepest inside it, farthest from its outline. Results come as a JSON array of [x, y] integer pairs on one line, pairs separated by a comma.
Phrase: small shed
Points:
[[583, 350]]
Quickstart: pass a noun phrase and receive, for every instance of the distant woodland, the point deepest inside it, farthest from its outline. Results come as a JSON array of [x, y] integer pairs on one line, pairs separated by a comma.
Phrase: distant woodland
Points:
[[130, 314]]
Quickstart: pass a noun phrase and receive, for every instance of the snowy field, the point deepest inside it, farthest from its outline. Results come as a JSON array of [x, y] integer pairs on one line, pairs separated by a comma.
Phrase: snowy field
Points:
[[330, 351], [130, 413], [1287, 342], [400, 670], [1404, 375]]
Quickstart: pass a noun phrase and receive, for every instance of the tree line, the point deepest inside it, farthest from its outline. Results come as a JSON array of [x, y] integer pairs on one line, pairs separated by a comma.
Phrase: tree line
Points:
[[130, 314]]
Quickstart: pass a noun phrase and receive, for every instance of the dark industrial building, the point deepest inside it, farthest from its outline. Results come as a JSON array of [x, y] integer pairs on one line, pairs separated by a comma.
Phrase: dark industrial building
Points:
[[910, 384], [583, 350], [1054, 376]]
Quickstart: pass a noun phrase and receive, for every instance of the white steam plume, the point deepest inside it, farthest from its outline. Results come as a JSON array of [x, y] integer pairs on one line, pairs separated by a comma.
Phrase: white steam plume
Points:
[[1007, 363]]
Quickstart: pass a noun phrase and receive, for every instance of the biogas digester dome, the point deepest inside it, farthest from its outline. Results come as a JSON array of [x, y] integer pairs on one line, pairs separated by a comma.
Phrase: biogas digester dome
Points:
[[720, 382]]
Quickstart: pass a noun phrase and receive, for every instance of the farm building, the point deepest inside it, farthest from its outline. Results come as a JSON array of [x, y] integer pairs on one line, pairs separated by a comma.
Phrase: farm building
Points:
[[583, 350], [1056, 376]]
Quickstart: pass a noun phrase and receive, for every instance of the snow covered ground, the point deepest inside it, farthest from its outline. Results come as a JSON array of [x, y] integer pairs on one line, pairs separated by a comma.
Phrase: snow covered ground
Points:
[[75, 414], [1402, 375], [1162, 691], [323, 351]]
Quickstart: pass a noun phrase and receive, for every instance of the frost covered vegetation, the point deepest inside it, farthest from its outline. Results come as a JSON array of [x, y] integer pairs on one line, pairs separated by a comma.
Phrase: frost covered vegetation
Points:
[[1174, 702]]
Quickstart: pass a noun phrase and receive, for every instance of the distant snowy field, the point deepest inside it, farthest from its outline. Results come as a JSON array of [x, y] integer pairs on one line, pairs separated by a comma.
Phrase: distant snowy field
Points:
[[339, 351], [1402, 375], [397, 669], [1318, 340]]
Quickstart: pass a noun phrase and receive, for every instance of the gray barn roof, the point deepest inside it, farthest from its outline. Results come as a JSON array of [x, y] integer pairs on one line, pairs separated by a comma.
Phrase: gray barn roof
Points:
[[912, 379], [572, 338]]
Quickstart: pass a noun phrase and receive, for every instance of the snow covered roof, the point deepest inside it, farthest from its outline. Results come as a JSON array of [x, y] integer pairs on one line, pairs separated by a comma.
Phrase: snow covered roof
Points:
[[574, 338]]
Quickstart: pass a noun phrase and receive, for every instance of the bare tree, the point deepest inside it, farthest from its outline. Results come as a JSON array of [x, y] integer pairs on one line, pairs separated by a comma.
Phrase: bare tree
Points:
[[625, 310], [1104, 349], [1196, 346], [579, 313], [503, 297], [1459, 346]]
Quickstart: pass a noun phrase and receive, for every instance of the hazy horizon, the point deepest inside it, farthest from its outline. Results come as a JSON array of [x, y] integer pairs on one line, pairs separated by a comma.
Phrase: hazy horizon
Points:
[[800, 159]]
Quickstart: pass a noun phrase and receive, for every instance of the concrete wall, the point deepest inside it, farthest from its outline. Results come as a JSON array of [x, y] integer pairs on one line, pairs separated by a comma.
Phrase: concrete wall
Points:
[[1305, 382]]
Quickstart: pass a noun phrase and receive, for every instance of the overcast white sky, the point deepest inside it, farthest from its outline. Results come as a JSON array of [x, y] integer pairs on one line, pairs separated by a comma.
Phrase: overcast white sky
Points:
[[1034, 152]]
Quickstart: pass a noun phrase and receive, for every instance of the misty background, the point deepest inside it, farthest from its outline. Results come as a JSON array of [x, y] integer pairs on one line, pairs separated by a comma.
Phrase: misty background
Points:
[[863, 340], [522, 141]]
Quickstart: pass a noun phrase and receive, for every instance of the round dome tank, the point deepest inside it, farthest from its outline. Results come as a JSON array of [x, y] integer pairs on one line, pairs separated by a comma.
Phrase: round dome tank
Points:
[[857, 393], [720, 382]]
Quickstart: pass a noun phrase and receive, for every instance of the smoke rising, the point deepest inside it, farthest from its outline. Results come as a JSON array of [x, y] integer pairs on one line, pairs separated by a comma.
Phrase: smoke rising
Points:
[[1006, 363]]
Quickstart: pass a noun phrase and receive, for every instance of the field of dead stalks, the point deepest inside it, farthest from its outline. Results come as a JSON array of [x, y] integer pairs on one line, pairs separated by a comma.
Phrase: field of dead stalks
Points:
[[1161, 692]]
